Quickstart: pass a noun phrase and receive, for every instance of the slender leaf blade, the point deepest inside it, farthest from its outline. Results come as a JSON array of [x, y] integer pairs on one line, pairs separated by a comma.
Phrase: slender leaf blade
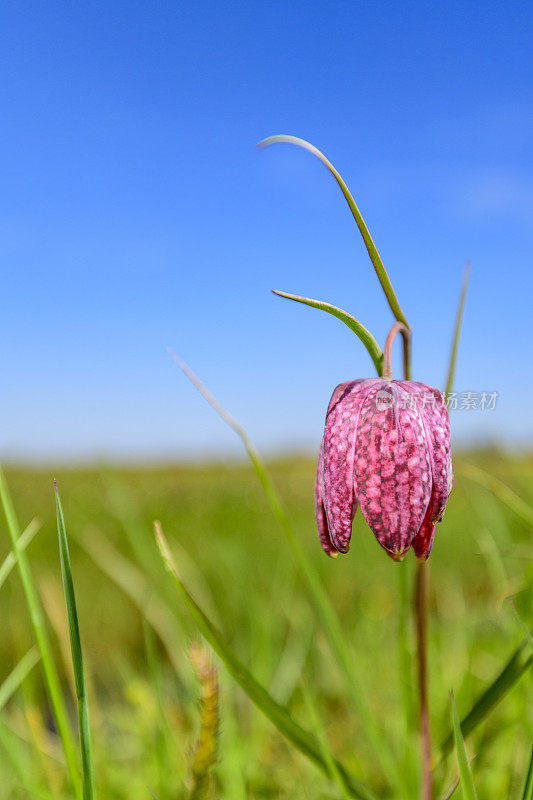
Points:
[[465, 774], [456, 332], [17, 675], [364, 335], [527, 792], [9, 561], [278, 715], [40, 633], [320, 734], [520, 662], [369, 244], [77, 654]]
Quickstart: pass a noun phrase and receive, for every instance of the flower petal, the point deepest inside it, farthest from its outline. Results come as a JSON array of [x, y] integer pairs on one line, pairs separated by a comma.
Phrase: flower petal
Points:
[[435, 416], [320, 511], [338, 454], [423, 541], [392, 467]]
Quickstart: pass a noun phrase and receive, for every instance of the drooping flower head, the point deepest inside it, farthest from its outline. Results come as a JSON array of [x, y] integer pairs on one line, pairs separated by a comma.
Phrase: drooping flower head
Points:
[[386, 449]]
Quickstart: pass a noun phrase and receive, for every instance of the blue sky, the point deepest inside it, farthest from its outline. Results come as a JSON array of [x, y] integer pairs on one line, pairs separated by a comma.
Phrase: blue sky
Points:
[[136, 214]]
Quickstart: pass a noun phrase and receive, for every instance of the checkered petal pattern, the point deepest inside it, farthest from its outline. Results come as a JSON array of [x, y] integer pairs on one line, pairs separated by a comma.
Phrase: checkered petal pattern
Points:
[[386, 449]]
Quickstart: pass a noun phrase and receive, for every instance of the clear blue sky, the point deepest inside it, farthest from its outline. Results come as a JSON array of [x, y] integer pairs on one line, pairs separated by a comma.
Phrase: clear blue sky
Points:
[[136, 214]]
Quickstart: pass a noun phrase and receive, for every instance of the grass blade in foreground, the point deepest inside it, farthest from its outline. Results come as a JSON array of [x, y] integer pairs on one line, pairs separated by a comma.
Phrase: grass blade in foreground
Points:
[[527, 793], [322, 741], [77, 655], [321, 603], [465, 773], [372, 347], [278, 715], [25, 538], [17, 675], [456, 332], [41, 636], [520, 661]]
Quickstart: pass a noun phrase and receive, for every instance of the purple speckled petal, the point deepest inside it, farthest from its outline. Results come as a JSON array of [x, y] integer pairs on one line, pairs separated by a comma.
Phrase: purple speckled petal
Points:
[[320, 511], [338, 459], [392, 467], [423, 541], [435, 416]]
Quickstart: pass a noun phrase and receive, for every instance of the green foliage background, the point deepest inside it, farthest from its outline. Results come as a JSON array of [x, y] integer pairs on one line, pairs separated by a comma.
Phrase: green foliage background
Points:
[[143, 696]]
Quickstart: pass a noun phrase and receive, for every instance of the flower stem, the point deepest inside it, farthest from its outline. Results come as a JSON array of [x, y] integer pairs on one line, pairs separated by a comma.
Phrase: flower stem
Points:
[[421, 618], [398, 327]]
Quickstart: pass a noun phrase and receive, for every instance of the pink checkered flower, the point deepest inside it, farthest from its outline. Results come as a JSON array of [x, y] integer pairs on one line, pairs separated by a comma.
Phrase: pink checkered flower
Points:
[[386, 449]]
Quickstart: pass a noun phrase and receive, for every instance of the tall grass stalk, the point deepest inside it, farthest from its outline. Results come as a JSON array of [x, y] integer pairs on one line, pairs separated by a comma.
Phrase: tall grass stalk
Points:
[[41, 637], [465, 774], [77, 654], [278, 715]]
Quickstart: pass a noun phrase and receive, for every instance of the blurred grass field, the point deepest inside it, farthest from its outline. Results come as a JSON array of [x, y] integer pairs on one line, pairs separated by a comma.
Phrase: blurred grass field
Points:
[[143, 693]]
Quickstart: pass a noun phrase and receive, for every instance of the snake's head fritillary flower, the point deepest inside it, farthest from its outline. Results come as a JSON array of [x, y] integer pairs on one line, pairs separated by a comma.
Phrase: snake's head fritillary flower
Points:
[[386, 449]]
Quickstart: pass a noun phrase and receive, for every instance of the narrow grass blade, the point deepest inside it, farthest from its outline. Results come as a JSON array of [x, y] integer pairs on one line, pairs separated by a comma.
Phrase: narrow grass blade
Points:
[[41, 637], [16, 756], [456, 332], [319, 599], [465, 773], [25, 538], [131, 581], [278, 715], [320, 734], [369, 244], [453, 788], [500, 490], [520, 661], [372, 347], [527, 792], [77, 654], [451, 791], [528, 634], [17, 675]]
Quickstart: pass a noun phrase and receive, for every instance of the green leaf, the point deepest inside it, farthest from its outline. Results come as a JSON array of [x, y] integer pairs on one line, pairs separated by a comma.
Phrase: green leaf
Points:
[[456, 332], [40, 633], [133, 583], [527, 793], [519, 662], [320, 734], [17, 675], [25, 538], [369, 244], [278, 715], [465, 773], [77, 654], [317, 594], [360, 331]]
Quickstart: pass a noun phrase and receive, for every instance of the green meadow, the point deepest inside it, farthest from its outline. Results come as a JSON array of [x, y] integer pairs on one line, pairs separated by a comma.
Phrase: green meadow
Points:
[[151, 735]]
